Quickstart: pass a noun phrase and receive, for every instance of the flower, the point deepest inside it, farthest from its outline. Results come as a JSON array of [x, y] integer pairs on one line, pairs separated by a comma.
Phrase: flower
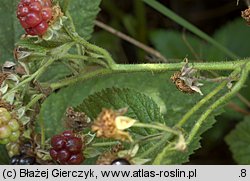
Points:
[[110, 124]]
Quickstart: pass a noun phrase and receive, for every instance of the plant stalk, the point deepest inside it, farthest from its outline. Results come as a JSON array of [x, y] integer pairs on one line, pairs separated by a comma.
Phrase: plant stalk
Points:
[[219, 102], [124, 68]]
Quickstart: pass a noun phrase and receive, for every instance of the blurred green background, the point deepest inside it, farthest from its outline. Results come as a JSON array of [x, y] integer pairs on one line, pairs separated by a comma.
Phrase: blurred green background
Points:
[[221, 19]]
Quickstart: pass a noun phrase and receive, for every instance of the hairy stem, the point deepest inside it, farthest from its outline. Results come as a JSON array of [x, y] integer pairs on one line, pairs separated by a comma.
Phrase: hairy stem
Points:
[[149, 138], [79, 40], [156, 147], [78, 78], [219, 102], [123, 68], [34, 101], [85, 58], [231, 65], [199, 104], [105, 144], [158, 127]]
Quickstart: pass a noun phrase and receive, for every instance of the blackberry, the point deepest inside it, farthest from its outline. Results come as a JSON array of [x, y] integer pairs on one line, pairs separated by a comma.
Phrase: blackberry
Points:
[[15, 160], [23, 160], [120, 161], [67, 149], [34, 15]]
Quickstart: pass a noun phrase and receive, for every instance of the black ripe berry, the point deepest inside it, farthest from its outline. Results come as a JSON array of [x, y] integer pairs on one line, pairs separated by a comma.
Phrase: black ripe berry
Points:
[[15, 160], [23, 160], [120, 161], [27, 161]]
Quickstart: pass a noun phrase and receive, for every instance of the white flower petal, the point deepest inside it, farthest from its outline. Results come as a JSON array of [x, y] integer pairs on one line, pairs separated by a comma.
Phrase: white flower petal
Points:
[[123, 122], [196, 89]]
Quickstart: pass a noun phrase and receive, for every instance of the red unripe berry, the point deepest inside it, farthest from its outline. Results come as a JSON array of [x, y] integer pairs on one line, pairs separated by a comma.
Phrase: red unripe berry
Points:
[[48, 3], [68, 134], [31, 31], [76, 159], [74, 145], [26, 2], [63, 156], [34, 15], [23, 23], [41, 28], [67, 148], [53, 154], [35, 7], [46, 14], [58, 142], [33, 19], [22, 11], [45, 3]]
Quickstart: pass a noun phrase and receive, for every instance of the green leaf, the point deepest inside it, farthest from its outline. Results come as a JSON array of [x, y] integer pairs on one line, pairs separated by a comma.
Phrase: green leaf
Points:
[[84, 14], [228, 36], [168, 156], [54, 107], [172, 44], [31, 46], [10, 29], [233, 35], [140, 107], [239, 142], [4, 158], [55, 72], [173, 105]]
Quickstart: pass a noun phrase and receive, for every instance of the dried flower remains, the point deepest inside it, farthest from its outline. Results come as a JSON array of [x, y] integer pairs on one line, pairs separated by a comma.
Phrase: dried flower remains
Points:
[[111, 124], [186, 80]]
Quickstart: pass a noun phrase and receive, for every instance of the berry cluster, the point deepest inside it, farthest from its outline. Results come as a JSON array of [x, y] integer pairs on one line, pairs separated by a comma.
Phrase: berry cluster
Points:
[[67, 149], [13, 148], [23, 160], [34, 15], [9, 127]]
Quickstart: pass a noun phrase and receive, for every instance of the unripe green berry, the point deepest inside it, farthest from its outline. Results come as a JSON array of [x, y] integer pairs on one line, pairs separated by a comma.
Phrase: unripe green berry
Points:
[[2, 109], [4, 141], [8, 146], [14, 125], [11, 153], [5, 132], [5, 116], [13, 148], [14, 136]]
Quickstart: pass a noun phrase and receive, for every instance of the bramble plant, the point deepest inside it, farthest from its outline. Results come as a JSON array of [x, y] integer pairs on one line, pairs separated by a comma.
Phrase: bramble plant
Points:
[[73, 104]]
